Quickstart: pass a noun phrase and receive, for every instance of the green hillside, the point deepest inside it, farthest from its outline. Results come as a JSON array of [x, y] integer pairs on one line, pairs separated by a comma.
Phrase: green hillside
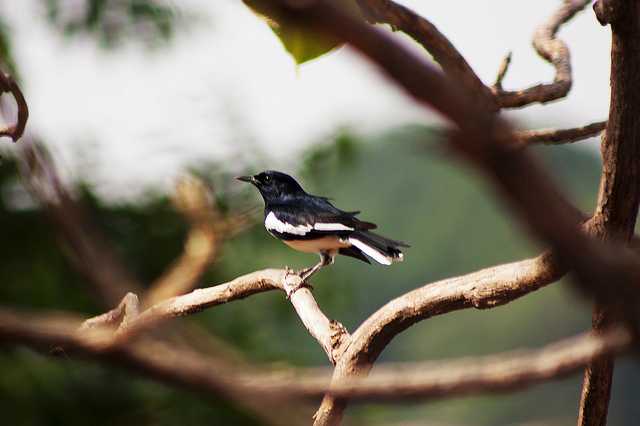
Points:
[[411, 188]]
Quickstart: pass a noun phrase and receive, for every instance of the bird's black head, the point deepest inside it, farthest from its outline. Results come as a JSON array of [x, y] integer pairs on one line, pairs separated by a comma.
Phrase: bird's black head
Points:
[[274, 186]]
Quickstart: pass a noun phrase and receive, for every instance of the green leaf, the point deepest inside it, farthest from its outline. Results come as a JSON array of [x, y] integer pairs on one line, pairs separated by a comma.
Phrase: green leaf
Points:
[[301, 43]]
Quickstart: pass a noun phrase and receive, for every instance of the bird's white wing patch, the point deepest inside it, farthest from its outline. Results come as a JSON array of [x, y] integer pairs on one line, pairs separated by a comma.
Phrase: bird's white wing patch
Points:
[[331, 227], [371, 252], [272, 223]]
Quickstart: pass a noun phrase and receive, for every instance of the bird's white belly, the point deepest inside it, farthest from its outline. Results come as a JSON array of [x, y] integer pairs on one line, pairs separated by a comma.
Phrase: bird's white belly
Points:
[[329, 243]]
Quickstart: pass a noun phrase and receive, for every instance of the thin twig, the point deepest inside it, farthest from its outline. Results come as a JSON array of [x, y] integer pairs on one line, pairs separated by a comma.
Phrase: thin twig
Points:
[[559, 136], [502, 71], [554, 51]]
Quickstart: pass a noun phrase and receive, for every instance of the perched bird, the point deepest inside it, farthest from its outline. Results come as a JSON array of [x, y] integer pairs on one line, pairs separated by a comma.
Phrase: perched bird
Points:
[[311, 224]]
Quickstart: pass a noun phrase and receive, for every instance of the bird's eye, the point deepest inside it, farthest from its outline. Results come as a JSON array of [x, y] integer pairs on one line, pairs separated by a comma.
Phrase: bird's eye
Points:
[[267, 179]]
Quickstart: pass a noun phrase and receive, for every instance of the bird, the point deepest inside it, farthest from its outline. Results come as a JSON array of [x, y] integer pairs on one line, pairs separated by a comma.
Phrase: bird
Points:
[[312, 224]]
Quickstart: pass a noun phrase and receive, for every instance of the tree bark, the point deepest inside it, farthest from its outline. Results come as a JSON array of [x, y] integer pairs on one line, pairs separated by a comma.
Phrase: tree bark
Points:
[[617, 207]]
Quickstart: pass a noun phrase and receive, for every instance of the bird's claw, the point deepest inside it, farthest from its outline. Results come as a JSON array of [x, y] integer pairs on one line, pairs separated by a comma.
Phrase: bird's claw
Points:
[[302, 274]]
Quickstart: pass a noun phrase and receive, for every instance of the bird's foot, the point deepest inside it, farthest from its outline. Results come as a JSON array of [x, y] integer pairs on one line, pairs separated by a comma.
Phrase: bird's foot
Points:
[[298, 276], [304, 273]]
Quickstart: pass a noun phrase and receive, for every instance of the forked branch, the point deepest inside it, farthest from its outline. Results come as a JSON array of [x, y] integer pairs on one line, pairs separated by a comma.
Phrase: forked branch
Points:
[[129, 323]]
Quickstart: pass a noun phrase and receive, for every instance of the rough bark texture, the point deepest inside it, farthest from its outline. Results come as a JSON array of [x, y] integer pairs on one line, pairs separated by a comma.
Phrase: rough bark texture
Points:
[[617, 208]]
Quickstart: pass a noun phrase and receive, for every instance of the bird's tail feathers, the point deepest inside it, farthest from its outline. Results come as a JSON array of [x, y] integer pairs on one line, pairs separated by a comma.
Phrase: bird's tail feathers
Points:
[[381, 249]]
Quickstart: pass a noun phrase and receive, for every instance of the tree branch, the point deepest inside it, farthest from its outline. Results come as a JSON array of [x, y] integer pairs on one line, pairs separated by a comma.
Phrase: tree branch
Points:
[[502, 71], [619, 195], [9, 85], [436, 379], [453, 63], [402, 18], [559, 136], [330, 334], [554, 51], [483, 289], [194, 201], [495, 373], [166, 362]]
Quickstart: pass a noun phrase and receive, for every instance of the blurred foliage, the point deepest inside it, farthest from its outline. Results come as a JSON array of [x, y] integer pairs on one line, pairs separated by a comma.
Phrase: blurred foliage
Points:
[[446, 213], [6, 53], [112, 21], [301, 43]]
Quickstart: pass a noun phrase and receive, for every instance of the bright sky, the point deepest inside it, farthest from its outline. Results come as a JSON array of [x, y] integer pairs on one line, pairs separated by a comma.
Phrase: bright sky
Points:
[[226, 89]]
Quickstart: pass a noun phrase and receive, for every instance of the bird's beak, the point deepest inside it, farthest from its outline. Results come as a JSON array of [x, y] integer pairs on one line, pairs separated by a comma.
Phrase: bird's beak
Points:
[[249, 179]]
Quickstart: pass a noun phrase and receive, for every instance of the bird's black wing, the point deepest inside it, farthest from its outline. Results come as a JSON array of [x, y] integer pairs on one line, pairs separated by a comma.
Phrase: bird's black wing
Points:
[[328, 213], [311, 217]]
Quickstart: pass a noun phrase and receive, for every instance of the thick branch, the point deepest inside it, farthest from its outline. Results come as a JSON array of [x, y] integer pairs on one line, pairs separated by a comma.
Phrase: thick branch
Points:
[[559, 136], [165, 362], [493, 373], [553, 50], [483, 289], [619, 194]]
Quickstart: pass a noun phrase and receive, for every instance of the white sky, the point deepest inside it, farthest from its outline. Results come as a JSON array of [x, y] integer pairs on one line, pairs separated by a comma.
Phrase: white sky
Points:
[[225, 87]]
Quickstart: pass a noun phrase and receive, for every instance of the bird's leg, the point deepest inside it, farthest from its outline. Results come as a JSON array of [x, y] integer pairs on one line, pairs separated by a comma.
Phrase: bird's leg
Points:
[[325, 259]]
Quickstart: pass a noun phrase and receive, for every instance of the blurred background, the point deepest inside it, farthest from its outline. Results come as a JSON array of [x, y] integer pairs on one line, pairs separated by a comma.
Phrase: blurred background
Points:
[[128, 95]]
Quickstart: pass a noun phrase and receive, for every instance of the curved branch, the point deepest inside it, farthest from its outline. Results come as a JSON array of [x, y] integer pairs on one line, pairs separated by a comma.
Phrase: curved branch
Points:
[[483, 289], [554, 51], [426, 34], [194, 201], [494, 373], [9, 85]]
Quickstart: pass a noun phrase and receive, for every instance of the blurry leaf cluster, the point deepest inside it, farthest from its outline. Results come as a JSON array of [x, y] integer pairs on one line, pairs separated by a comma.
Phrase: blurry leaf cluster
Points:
[[7, 63], [113, 21]]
